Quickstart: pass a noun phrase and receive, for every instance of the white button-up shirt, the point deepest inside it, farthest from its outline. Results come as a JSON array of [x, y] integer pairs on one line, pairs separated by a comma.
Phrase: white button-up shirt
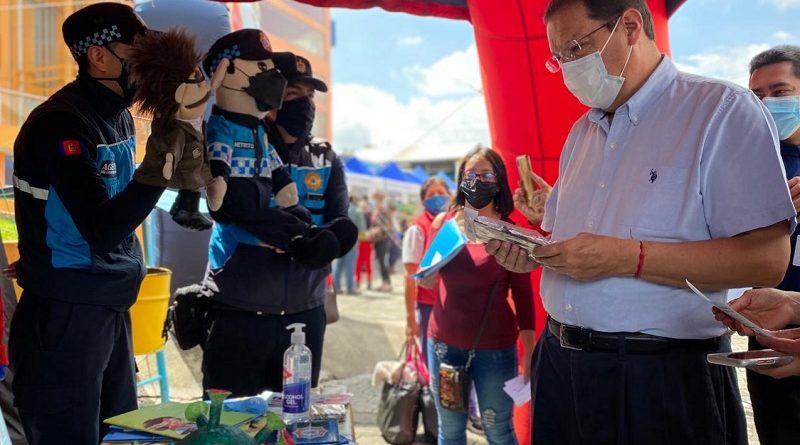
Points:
[[686, 159]]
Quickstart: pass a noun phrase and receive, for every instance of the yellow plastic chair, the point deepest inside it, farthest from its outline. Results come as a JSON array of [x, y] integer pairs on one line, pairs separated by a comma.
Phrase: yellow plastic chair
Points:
[[147, 324]]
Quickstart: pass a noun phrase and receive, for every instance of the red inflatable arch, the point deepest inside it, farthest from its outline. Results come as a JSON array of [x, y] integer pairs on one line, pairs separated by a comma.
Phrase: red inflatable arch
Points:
[[530, 110]]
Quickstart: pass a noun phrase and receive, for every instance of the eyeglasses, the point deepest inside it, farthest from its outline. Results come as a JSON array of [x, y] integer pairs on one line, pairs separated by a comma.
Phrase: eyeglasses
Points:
[[553, 64], [470, 176]]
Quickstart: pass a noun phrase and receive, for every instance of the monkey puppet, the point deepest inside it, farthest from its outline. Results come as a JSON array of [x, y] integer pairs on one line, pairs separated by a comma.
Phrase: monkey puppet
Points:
[[261, 199], [174, 91]]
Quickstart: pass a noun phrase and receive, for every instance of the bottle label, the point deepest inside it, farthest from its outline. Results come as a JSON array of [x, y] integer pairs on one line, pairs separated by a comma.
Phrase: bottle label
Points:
[[296, 396]]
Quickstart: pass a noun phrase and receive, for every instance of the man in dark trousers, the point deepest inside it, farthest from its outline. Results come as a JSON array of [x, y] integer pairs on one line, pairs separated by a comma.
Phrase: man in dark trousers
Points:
[[78, 201], [775, 79], [244, 349]]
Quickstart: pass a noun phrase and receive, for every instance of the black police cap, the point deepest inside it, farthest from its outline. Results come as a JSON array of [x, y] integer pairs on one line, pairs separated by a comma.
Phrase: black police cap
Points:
[[245, 44], [297, 68], [100, 24]]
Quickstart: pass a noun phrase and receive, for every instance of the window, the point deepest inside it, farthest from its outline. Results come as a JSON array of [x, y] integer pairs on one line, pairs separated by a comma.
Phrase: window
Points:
[[314, 12], [275, 21]]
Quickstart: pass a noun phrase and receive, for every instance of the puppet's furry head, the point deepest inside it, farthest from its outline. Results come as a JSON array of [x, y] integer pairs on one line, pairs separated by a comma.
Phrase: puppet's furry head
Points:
[[159, 62]]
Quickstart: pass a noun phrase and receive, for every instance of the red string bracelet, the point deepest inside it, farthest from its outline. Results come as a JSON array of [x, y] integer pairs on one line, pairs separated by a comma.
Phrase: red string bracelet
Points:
[[641, 260]]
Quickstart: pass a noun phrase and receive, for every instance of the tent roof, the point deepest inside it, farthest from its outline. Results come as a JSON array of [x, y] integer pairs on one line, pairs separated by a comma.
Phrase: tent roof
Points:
[[451, 9], [447, 180], [354, 165], [420, 173], [393, 171]]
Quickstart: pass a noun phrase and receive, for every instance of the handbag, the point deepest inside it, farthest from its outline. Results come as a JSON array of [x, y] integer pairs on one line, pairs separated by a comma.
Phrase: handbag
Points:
[[454, 380], [427, 404], [398, 409]]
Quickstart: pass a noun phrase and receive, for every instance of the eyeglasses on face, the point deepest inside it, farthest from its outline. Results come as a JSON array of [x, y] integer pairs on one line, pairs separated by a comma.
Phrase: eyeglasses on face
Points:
[[572, 50], [471, 176]]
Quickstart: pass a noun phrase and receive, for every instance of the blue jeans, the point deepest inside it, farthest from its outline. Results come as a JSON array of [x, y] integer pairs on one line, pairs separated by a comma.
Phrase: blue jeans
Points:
[[346, 264], [489, 370]]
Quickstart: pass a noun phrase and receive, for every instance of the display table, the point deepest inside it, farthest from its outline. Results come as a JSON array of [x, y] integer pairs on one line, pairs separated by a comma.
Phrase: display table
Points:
[[320, 403]]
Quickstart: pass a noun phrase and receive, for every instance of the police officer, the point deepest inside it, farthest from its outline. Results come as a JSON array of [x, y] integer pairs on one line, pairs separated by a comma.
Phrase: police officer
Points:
[[244, 349], [78, 201]]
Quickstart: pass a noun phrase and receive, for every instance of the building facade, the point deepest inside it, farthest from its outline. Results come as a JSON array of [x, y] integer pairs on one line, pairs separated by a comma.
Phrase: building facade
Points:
[[34, 62]]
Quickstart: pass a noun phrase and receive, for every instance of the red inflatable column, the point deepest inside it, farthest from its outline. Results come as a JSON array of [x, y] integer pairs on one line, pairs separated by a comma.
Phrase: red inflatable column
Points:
[[530, 111]]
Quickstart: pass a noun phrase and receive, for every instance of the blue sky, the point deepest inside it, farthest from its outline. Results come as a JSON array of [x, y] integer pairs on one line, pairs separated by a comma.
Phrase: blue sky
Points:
[[403, 82]]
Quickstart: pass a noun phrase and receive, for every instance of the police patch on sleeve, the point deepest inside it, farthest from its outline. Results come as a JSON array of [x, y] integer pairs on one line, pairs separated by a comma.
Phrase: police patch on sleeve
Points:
[[71, 147]]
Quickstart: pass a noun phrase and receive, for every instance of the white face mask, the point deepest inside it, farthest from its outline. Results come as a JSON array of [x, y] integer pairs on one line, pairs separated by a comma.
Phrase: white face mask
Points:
[[785, 112], [589, 81], [197, 123]]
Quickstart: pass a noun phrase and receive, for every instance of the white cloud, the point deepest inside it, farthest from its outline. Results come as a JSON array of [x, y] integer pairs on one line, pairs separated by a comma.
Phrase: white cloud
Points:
[[447, 115], [729, 64], [410, 41], [782, 36], [457, 73], [365, 116], [782, 4]]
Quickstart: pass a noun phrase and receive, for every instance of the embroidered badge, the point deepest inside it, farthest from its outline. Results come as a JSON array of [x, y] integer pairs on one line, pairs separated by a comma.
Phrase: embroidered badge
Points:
[[313, 181], [653, 176], [70, 147]]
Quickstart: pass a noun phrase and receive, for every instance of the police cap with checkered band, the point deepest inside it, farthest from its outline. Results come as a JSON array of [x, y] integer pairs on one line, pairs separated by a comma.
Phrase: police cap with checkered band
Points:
[[101, 24], [245, 44], [297, 68]]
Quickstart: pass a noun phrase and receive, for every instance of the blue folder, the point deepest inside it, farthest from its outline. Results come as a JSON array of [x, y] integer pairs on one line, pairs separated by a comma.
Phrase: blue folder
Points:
[[444, 247]]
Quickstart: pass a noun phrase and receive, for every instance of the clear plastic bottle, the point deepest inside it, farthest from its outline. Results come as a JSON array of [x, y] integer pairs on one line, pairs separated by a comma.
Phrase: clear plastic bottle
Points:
[[296, 377]]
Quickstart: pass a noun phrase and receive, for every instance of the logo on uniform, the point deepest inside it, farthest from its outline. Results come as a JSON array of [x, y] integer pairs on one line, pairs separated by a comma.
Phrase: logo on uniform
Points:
[[71, 147], [313, 181], [301, 65], [653, 175], [108, 169]]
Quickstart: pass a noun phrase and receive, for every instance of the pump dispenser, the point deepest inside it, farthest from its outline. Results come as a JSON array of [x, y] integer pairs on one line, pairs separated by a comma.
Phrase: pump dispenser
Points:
[[296, 377]]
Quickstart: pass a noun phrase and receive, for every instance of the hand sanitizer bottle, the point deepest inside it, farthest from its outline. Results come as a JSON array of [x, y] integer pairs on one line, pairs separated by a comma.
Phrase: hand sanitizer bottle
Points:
[[296, 377]]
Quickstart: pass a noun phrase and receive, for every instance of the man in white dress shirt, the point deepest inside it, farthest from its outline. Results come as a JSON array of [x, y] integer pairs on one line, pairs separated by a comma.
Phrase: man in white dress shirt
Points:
[[668, 177]]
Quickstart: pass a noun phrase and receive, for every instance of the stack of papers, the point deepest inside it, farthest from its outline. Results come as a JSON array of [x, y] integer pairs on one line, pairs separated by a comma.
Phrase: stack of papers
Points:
[[518, 390], [729, 311], [484, 229], [169, 420]]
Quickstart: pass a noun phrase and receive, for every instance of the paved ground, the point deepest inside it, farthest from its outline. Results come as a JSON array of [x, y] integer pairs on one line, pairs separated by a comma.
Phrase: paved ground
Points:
[[371, 329]]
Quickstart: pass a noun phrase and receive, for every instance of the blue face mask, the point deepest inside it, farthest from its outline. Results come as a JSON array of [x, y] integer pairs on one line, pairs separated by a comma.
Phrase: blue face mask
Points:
[[786, 113], [436, 204]]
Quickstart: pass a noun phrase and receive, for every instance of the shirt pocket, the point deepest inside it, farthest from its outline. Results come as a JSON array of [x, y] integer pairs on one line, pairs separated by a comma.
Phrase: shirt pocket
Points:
[[657, 198]]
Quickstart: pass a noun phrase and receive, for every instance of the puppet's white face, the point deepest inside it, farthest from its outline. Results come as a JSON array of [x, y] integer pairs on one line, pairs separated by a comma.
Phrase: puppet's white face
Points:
[[192, 96], [231, 95]]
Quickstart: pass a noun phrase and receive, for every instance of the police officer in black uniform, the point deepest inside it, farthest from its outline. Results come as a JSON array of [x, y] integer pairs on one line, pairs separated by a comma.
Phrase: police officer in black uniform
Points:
[[78, 201], [244, 349]]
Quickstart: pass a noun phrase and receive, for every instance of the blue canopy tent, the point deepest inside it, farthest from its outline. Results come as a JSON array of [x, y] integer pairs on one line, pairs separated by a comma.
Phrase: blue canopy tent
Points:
[[393, 171], [447, 180], [355, 165], [420, 173]]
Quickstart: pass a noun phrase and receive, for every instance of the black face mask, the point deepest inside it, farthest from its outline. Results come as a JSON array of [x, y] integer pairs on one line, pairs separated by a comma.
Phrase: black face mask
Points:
[[128, 88], [266, 87], [297, 116], [480, 194]]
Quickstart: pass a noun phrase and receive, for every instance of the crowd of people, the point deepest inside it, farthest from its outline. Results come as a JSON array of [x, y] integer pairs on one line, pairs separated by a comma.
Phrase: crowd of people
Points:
[[668, 177]]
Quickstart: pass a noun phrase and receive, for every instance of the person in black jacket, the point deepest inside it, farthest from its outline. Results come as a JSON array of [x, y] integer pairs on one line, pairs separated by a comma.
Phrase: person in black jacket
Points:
[[259, 292], [78, 201]]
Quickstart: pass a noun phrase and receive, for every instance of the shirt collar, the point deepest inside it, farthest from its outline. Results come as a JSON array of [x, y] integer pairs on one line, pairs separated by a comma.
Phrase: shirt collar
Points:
[[104, 100], [658, 81]]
